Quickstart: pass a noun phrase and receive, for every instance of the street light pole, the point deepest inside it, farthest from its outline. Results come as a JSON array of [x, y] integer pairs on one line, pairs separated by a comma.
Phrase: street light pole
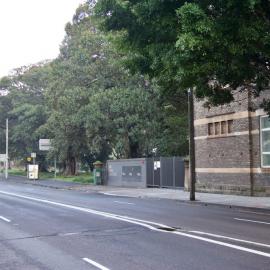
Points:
[[191, 144], [6, 171]]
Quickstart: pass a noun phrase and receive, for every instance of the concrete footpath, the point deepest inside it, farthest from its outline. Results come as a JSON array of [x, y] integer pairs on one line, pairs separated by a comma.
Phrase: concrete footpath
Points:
[[155, 193]]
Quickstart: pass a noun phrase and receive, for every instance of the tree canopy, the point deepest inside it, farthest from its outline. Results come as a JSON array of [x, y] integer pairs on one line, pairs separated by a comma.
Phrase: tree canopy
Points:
[[213, 46], [89, 104]]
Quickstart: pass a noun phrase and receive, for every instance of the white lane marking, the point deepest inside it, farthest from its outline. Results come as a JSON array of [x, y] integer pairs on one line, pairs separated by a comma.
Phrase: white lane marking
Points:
[[117, 195], [97, 265], [253, 212], [257, 252], [5, 219], [143, 223], [91, 211], [231, 238], [68, 234], [124, 202], [254, 221]]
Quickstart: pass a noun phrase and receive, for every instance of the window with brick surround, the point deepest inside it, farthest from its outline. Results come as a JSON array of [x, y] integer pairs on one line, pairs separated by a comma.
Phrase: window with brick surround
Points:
[[217, 128], [265, 141], [211, 129], [229, 125], [220, 128], [223, 127]]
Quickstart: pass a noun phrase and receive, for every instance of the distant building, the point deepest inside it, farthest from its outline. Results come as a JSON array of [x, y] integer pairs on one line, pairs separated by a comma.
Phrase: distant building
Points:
[[233, 147]]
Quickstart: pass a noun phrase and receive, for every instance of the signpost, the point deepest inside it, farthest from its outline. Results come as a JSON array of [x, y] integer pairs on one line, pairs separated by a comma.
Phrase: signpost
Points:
[[45, 145], [32, 171], [33, 156], [6, 171], [3, 157]]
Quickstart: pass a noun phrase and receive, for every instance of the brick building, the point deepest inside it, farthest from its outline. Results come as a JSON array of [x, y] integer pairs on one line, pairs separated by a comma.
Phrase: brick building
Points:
[[232, 145]]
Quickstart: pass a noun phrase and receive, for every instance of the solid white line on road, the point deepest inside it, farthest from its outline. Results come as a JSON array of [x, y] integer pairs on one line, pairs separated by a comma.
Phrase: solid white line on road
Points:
[[124, 202], [257, 252], [253, 212], [231, 238], [91, 211], [254, 221], [117, 195], [5, 219], [69, 234], [143, 223], [97, 265]]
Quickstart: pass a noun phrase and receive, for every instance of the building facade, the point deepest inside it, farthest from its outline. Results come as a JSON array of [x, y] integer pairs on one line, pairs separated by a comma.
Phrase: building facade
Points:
[[232, 145]]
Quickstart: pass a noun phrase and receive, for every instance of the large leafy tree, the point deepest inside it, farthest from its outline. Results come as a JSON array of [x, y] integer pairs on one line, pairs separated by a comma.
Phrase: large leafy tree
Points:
[[75, 75], [24, 105], [89, 104], [86, 66], [124, 119], [147, 34], [213, 46]]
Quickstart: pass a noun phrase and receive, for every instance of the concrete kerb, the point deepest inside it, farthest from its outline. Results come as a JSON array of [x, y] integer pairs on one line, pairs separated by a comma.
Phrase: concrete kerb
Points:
[[206, 199], [234, 205]]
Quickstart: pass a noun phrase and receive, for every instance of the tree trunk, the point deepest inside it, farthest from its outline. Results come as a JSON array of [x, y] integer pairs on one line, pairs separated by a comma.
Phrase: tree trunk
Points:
[[134, 149], [70, 166]]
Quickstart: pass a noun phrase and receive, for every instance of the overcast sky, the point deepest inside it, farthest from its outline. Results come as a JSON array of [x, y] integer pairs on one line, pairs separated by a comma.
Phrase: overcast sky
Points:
[[32, 30]]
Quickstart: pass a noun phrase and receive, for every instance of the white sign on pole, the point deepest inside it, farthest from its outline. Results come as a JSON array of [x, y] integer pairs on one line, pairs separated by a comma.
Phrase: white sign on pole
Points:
[[32, 171], [33, 155], [45, 144], [3, 157]]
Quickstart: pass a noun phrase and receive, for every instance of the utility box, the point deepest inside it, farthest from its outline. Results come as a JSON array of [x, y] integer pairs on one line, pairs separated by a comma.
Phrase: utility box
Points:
[[98, 172], [165, 172], [127, 172], [32, 171]]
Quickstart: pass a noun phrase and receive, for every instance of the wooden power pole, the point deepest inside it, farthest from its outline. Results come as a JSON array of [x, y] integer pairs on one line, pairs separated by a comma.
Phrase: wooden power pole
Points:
[[191, 144]]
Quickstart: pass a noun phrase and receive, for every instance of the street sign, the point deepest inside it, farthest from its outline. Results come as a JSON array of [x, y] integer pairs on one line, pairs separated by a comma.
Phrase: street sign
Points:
[[3, 157], [29, 159], [45, 144], [32, 171], [33, 155]]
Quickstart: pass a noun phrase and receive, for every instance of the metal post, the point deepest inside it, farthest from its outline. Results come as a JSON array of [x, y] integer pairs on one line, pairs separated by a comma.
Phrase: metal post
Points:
[[6, 171], [174, 185], [34, 162], [191, 145], [54, 167]]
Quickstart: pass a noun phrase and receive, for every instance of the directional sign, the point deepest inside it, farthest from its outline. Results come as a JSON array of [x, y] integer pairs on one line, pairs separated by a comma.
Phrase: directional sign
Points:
[[45, 144], [2, 157]]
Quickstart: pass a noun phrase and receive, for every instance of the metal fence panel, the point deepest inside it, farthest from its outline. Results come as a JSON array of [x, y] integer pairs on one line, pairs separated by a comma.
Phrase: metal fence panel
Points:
[[166, 164], [179, 170], [150, 172]]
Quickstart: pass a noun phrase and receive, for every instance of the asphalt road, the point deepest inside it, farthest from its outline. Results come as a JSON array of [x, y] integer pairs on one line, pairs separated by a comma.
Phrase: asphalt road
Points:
[[43, 228]]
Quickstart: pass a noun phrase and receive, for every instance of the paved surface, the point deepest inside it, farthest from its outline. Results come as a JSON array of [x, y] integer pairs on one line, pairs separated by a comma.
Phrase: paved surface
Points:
[[54, 228], [181, 195]]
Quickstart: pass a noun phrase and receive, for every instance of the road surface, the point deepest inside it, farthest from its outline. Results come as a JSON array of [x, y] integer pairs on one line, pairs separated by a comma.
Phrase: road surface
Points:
[[44, 228]]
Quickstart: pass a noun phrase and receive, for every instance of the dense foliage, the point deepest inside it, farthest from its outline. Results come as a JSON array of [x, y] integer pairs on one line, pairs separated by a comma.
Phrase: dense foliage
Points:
[[88, 104], [122, 92], [214, 46]]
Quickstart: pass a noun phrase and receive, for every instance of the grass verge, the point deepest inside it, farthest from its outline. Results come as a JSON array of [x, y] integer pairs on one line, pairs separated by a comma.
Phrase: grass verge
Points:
[[84, 178]]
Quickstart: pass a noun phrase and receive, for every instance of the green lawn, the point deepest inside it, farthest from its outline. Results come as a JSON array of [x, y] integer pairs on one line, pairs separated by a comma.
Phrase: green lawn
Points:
[[19, 172], [85, 178]]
